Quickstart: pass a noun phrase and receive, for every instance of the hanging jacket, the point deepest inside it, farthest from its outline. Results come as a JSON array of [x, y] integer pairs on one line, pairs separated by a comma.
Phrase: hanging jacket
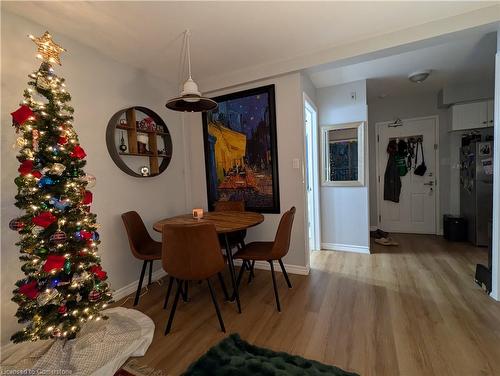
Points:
[[392, 180]]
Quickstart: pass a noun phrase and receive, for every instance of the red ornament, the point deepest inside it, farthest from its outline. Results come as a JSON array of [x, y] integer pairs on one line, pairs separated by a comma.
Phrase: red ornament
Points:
[[44, 219], [62, 309], [98, 272], [78, 152], [29, 290], [62, 140], [86, 235], [26, 167], [22, 114], [16, 224], [58, 237], [54, 262], [87, 198], [94, 296]]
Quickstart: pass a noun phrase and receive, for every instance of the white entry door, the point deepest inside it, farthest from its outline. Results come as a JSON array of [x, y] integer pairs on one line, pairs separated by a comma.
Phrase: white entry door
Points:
[[311, 173], [416, 210]]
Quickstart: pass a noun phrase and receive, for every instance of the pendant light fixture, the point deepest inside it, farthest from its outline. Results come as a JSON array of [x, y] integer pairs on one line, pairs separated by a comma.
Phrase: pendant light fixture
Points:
[[190, 99]]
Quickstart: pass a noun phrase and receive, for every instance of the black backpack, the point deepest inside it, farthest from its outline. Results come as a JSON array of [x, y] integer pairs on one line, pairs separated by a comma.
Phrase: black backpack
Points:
[[421, 168]]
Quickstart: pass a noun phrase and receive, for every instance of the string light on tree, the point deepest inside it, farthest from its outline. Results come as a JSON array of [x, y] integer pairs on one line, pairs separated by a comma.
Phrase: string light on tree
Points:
[[64, 284]]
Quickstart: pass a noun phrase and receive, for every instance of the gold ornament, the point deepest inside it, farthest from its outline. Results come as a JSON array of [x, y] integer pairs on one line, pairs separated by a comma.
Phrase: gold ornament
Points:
[[57, 169], [47, 296], [21, 142], [48, 50], [43, 83]]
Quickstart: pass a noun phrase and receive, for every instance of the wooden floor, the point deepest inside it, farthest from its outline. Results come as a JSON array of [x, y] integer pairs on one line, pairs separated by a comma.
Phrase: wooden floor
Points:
[[407, 310]]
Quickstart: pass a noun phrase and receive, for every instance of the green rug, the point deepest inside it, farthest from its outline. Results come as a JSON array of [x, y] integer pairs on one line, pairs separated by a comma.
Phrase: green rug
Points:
[[233, 356]]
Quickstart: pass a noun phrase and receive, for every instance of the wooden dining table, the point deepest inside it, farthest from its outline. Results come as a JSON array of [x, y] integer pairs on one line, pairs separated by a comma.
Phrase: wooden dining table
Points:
[[226, 222]]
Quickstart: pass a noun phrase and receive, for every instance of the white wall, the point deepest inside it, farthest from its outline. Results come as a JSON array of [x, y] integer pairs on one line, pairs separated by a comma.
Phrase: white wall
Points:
[[308, 87], [99, 87], [289, 118], [411, 106], [344, 210], [495, 293]]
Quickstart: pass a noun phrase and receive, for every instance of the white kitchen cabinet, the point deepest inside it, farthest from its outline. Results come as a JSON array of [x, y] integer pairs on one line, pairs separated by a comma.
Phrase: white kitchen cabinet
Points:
[[472, 115]]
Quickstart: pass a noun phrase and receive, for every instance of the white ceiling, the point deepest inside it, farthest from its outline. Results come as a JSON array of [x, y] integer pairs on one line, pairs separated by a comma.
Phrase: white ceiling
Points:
[[227, 36], [467, 59]]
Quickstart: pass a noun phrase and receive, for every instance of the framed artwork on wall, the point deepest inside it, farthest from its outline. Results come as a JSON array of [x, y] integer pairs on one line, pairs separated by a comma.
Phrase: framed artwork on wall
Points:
[[241, 155], [342, 149]]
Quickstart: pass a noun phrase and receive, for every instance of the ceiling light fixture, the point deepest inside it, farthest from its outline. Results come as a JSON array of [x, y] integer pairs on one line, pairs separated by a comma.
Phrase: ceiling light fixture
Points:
[[419, 76], [190, 99]]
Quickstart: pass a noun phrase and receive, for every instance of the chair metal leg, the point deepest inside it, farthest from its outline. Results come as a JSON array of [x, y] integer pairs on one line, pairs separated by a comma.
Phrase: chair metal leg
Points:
[[240, 274], [274, 285], [174, 307], [216, 305], [185, 296], [150, 272], [230, 261], [251, 275], [285, 274], [139, 286], [223, 286], [169, 289]]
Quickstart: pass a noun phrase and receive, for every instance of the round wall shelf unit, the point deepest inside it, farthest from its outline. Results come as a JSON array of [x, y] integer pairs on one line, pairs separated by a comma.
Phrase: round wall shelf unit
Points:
[[139, 142]]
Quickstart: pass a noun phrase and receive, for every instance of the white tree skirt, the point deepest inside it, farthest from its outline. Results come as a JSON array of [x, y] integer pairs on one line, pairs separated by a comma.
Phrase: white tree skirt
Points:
[[100, 348]]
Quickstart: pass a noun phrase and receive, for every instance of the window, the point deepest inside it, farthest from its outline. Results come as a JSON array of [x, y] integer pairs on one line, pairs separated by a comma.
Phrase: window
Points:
[[343, 154]]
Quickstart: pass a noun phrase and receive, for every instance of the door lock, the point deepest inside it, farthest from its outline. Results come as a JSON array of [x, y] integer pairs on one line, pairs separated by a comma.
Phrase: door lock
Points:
[[431, 183]]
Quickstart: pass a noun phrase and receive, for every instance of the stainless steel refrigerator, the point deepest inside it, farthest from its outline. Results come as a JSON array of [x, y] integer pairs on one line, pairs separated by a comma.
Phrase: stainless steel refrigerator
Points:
[[476, 189]]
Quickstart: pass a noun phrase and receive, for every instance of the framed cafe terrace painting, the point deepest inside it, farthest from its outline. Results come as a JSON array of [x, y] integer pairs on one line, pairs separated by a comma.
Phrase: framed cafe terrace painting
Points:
[[241, 155]]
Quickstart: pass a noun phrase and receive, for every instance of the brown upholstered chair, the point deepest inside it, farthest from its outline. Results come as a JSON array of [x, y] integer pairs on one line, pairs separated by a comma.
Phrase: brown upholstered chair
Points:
[[191, 252], [270, 251], [142, 246]]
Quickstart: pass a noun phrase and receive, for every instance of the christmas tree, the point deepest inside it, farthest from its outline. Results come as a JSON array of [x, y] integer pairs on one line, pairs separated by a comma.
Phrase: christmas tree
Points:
[[64, 284]]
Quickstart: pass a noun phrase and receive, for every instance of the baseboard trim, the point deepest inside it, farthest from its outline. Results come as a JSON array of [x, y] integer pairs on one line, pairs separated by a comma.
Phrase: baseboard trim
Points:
[[132, 286], [291, 269], [345, 248]]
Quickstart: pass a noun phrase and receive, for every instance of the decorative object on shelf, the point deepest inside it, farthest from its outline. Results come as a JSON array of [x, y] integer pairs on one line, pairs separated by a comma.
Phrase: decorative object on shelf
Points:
[[142, 143], [241, 155], [122, 147], [197, 213], [149, 138], [147, 124], [144, 170], [190, 99]]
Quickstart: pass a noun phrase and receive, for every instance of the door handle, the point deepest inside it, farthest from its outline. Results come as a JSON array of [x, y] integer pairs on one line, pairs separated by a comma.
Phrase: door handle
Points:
[[431, 183]]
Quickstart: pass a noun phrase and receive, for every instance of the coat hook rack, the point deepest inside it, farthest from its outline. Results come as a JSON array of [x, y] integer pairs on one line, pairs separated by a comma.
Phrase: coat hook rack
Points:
[[397, 123]]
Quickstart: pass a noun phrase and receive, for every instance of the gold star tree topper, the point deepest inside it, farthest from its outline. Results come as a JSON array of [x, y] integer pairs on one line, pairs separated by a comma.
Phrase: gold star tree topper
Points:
[[48, 50]]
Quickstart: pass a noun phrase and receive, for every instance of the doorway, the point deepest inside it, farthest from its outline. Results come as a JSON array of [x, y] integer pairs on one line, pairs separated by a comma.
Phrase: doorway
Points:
[[417, 210], [311, 171]]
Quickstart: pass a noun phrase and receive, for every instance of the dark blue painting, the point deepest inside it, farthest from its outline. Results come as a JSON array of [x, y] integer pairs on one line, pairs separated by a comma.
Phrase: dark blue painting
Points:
[[344, 160], [240, 150]]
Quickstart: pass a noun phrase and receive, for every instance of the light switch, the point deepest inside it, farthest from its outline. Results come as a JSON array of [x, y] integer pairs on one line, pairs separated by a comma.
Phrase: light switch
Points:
[[296, 163]]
